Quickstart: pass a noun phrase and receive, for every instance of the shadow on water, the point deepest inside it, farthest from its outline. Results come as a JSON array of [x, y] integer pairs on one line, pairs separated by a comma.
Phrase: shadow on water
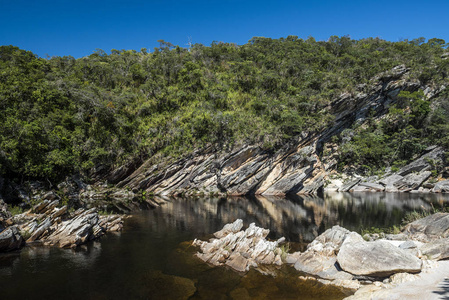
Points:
[[152, 257], [443, 289]]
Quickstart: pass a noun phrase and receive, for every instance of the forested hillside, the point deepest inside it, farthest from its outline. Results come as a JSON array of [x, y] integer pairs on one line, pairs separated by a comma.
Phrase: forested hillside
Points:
[[62, 115]]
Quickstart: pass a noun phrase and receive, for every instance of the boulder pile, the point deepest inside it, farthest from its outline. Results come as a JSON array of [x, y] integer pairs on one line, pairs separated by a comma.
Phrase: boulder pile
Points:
[[338, 256], [240, 249]]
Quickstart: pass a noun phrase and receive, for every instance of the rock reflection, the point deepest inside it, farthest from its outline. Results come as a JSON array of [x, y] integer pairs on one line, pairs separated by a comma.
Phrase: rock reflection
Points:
[[300, 218]]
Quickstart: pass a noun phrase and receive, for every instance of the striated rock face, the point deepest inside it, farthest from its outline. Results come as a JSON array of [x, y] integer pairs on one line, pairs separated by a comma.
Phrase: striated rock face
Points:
[[248, 170], [300, 167], [240, 249], [56, 227], [378, 258]]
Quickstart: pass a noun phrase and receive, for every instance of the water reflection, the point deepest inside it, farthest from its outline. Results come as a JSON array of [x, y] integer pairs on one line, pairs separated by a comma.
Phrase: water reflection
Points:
[[300, 218], [152, 253]]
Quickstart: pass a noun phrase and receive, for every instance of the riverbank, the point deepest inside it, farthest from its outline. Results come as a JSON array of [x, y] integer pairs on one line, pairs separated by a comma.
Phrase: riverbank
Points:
[[368, 266], [50, 224]]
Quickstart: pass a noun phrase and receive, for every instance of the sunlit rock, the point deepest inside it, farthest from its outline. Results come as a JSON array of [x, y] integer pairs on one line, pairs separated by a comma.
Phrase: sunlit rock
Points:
[[240, 250]]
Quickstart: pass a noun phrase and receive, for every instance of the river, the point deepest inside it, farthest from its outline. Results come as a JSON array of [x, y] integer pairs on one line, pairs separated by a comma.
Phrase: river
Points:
[[152, 257]]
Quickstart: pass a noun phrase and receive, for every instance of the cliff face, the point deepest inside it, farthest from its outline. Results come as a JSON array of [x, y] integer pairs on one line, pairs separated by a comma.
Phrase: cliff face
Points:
[[249, 170], [297, 168]]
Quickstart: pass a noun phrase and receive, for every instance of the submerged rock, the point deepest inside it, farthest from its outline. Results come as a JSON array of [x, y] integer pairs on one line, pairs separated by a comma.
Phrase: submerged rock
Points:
[[163, 286], [240, 250]]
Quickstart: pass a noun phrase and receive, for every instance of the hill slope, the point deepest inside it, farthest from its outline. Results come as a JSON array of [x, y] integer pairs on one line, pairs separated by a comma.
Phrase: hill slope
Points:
[[358, 105]]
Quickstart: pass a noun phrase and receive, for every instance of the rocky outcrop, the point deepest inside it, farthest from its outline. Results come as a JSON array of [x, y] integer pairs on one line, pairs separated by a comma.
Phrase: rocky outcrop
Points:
[[410, 178], [50, 225], [10, 237], [240, 249], [294, 169], [337, 257], [339, 254]]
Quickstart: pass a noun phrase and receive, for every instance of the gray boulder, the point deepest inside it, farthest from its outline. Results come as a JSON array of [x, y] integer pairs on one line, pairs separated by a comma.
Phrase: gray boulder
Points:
[[378, 258], [436, 249], [320, 257], [441, 187], [433, 226], [372, 186], [349, 185], [410, 247], [10, 239], [412, 181], [320, 265], [333, 237], [391, 180]]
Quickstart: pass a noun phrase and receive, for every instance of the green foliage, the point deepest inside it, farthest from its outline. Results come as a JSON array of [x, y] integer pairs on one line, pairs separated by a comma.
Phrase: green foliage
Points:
[[25, 234], [285, 249], [416, 215], [409, 127], [66, 115], [15, 210], [376, 230]]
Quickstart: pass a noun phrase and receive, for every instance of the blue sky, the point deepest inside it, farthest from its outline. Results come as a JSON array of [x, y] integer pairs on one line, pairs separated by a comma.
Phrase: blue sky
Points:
[[78, 27]]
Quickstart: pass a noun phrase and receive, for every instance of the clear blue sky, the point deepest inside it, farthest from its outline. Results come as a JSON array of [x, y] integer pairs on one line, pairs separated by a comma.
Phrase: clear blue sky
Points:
[[78, 27]]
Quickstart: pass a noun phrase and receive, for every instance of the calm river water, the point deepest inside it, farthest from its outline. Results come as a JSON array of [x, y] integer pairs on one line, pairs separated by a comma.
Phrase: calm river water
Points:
[[152, 258]]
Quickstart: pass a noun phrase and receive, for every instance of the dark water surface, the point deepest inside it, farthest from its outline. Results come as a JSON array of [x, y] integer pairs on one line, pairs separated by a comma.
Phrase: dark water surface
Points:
[[152, 258]]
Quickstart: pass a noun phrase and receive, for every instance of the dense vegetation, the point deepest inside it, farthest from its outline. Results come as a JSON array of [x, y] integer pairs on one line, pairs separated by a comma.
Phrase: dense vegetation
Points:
[[64, 115]]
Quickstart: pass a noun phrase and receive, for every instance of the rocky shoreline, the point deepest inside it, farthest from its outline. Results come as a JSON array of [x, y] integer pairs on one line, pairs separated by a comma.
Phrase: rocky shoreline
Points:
[[50, 224], [359, 265]]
